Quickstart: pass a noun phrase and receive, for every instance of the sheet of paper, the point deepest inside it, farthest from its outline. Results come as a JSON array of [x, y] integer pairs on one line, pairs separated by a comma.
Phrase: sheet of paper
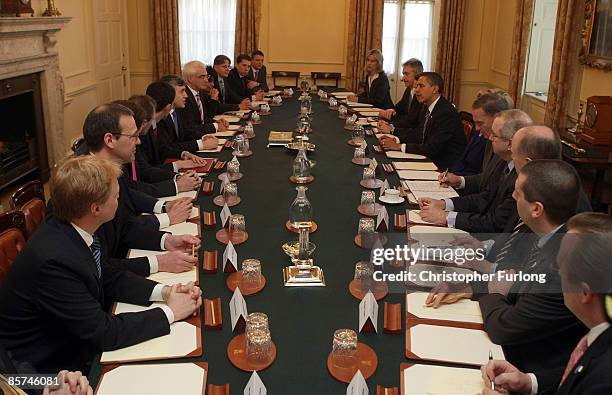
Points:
[[188, 194], [357, 104], [134, 253], [435, 195], [414, 165], [181, 341], [430, 187], [187, 379], [465, 310], [218, 149], [195, 213], [343, 94], [435, 236], [458, 345], [358, 385], [175, 278], [403, 155], [414, 216], [230, 256], [227, 133], [255, 386], [417, 175], [238, 307], [368, 309], [184, 228], [369, 113], [121, 308], [259, 102], [441, 380], [228, 118]]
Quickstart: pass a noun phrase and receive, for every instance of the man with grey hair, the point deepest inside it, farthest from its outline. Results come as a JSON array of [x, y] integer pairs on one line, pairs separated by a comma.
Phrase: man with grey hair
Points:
[[489, 210], [406, 111], [195, 120]]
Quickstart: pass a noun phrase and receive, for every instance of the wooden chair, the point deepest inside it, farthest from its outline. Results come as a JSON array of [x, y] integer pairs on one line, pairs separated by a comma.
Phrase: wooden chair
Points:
[[12, 239], [286, 75], [320, 75], [30, 199], [468, 124]]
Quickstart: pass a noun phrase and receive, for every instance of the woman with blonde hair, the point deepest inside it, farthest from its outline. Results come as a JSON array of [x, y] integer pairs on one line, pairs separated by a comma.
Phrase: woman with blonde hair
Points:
[[377, 90]]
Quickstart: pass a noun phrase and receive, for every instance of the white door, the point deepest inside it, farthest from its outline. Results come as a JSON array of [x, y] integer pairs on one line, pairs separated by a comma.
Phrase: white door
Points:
[[110, 29], [539, 60]]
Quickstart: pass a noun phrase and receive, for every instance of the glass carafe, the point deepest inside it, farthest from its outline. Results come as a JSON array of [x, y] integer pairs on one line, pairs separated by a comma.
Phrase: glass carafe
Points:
[[301, 166], [301, 209]]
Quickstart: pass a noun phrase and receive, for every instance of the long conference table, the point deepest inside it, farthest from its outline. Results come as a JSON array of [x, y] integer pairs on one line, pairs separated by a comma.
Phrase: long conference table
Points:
[[302, 319]]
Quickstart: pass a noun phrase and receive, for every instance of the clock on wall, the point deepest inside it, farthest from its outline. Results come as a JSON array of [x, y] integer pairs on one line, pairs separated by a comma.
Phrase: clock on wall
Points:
[[597, 129], [16, 8]]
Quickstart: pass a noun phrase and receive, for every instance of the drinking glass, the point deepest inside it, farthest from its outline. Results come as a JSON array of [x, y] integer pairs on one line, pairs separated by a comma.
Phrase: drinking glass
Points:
[[359, 153], [368, 197], [368, 174], [344, 348], [230, 191], [364, 274], [251, 273], [258, 346], [256, 321]]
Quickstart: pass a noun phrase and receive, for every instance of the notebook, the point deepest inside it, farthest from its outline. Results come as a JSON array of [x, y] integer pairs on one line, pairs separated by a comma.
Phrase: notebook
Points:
[[465, 310], [429, 166], [189, 194], [417, 379], [404, 155], [435, 236], [417, 174], [184, 228], [433, 189], [228, 118], [414, 216]]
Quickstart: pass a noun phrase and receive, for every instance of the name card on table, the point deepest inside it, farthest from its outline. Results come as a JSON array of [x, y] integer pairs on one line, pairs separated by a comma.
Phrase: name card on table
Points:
[[374, 164], [358, 385], [225, 214], [255, 386], [368, 313], [238, 309], [384, 187], [224, 181], [382, 220], [230, 259]]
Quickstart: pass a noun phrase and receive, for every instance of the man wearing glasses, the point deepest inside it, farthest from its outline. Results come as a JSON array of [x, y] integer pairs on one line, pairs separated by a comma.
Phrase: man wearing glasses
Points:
[[489, 210], [195, 119]]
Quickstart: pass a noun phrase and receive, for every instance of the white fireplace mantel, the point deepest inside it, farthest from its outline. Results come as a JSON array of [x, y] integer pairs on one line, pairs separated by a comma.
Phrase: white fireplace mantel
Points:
[[27, 45]]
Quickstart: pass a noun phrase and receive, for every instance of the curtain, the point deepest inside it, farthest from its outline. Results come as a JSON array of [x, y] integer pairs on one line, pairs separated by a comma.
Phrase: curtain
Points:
[[365, 33], [248, 16], [565, 61], [207, 29], [448, 52], [520, 43], [165, 38]]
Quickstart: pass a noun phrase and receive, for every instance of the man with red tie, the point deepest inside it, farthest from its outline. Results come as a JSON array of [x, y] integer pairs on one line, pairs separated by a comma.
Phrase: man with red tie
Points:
[[586, 274], [257, 73]]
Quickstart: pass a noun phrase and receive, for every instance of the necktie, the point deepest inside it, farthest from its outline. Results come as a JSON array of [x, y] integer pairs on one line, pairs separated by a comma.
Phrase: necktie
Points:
[[519, 229], [97, 254], [255, 73], [134, 177], [154, 132], [427, 116], [200, 108], [222, 90], [175, 122], [574, 358]]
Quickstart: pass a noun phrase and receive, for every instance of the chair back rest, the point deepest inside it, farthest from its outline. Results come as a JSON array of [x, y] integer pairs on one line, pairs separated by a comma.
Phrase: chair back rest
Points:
[[286, 75], [321, 75], [30, 199], [468, 124], [12, 240]]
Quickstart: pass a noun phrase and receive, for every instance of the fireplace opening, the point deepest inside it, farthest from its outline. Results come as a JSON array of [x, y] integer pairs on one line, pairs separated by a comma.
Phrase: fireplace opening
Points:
[[23, 148]]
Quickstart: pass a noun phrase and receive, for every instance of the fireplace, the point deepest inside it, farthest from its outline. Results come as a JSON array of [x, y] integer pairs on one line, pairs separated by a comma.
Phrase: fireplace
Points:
[[23, 148]]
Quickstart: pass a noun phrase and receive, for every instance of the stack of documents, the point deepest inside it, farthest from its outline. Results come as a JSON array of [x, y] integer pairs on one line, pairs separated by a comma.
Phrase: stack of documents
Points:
[[431, 189]]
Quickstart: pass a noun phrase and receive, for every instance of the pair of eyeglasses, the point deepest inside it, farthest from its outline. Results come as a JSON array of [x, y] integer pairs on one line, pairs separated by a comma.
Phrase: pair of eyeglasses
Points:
[[132, 137], [206, 77]]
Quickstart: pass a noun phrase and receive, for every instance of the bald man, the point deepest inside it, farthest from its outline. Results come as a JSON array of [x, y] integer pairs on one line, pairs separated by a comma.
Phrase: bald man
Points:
[[194, 118]]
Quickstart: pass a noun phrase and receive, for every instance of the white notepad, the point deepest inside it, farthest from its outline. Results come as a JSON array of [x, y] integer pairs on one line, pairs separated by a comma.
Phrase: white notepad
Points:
[[465, 310], [433, 189], [435, 236], [218, 149], [413, 165], [357, 104], [441, 380], [186, 379], [227, 133], [450, 344], [184, 228], [135, 253], [418, 174], [343, 94], [189, 194], [369, 113], [181, 341], [404, 155], [175, 278], [414, 216]]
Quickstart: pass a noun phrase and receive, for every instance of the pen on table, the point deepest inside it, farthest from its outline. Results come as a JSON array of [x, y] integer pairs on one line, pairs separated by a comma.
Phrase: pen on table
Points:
[[444, 175], [193, 250], [492, 379]]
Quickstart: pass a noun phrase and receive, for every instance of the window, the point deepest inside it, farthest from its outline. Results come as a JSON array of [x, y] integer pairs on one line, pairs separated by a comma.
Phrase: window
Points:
[[407, 33], [539, 57], [206, 29]]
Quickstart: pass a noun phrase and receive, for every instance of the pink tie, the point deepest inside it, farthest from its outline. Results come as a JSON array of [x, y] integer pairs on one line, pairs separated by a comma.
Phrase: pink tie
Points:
[[134, 178], [574, 358]]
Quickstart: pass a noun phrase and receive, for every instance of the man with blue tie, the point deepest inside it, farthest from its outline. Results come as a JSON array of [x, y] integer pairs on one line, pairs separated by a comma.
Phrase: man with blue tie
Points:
[[53, 304]]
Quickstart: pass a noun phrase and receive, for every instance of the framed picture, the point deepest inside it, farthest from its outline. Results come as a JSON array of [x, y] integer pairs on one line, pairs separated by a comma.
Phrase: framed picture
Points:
[[597, 35]]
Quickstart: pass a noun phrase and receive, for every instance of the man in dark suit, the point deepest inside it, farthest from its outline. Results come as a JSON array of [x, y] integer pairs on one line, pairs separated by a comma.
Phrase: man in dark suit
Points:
[[228, 100], [171, 130], [239, 82], [257, 73], [529, 318], [474, 171], [53, 305], [195, 118], [439, 133], [585, 270], [152, 145], [110, 133], [489, 210], [406, 111]]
